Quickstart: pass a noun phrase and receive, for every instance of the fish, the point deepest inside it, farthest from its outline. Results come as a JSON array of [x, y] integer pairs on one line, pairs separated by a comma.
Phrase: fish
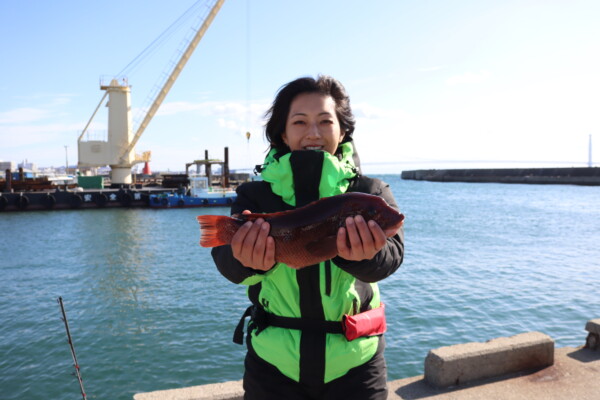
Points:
[[306, 235]]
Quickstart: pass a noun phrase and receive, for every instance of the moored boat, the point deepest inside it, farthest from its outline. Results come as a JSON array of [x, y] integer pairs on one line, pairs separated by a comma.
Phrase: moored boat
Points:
[[201, 194]]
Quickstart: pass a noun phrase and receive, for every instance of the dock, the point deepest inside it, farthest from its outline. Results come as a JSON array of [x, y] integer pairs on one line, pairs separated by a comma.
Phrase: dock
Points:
[[524, 366], [587, 176], [19, 192]]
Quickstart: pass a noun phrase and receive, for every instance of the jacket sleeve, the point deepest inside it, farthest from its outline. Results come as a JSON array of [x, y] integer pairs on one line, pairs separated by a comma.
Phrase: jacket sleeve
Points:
[[226, 263], [387, 260]]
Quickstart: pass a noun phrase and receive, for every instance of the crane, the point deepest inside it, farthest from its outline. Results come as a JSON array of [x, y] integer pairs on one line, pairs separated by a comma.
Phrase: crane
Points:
[[118, 151]]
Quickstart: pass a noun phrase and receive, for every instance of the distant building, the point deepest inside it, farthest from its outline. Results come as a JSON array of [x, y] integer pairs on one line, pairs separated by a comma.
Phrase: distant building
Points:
[[27, 166], [4, 165]]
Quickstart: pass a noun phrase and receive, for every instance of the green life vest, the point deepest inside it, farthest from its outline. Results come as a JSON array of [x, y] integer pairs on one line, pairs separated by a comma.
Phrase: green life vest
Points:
[[335, 177], [280, 292]]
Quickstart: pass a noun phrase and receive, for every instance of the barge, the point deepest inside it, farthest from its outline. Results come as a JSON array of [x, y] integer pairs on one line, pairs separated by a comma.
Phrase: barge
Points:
[[74, 199]]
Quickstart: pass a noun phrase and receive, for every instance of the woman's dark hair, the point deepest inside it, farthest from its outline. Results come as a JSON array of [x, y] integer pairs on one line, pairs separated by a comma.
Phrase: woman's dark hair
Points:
[[325, 85]]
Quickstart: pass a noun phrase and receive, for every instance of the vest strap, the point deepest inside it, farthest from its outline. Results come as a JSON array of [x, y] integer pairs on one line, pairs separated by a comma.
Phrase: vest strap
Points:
[[367, 323]]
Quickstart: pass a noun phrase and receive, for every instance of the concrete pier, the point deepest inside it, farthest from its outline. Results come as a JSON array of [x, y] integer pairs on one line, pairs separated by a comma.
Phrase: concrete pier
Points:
[[524, 366]]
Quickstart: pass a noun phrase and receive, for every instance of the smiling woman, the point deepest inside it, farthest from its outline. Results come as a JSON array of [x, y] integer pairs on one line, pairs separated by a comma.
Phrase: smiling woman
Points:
[[298, 350]]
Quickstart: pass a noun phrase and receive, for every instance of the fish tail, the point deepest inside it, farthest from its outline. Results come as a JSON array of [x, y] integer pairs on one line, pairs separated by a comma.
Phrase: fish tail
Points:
[[213, 230]]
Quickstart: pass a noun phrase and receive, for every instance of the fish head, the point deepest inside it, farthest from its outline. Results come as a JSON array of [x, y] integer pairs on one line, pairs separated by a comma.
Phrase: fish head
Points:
[[375, 208]]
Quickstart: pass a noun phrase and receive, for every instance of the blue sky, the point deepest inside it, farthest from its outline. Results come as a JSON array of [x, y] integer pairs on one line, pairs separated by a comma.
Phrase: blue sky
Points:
[[434, 84]]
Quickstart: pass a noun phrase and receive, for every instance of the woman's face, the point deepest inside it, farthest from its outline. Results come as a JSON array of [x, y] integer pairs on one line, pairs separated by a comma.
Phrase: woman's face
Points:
[[312, 124]]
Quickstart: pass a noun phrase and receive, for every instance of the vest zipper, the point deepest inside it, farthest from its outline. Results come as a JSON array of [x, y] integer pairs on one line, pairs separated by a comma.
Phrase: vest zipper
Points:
[[328, 278]]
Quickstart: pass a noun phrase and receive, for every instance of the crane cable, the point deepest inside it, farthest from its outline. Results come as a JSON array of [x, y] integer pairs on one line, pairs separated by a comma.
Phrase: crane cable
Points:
[[248, 86], [162, 38], [248, 69]]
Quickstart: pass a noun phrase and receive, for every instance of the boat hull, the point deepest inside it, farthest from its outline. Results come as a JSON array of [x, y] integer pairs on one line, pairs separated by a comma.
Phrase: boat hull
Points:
[[76, 199], [182, 201]]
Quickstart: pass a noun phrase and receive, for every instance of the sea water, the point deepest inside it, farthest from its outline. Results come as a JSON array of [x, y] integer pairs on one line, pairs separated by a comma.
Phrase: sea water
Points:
[[148, 310]]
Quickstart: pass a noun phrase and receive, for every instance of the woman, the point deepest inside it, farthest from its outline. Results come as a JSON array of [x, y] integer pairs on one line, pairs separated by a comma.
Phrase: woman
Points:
[[309, 128]]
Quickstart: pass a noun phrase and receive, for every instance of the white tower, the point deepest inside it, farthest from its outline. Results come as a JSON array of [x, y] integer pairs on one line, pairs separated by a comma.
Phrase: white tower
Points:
[[119, 131], [113, 152]]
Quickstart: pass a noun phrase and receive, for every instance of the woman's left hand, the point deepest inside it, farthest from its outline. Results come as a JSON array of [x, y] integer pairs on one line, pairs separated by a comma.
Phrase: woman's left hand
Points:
[[360, 240]]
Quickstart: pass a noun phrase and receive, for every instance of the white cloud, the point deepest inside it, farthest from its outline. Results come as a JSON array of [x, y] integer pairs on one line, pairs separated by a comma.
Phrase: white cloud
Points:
[[228, 124], [25, 135], [468, 78], [430, 69], [227, 109], [24, 115], [233, 116], [176, 107], [368, 111]]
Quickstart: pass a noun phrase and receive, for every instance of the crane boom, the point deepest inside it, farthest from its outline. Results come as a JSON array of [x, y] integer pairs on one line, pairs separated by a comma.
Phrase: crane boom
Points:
[[173, 76]]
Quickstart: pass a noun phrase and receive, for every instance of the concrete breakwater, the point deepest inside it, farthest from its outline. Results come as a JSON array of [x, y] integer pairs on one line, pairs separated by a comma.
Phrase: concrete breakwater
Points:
[[589, 176]]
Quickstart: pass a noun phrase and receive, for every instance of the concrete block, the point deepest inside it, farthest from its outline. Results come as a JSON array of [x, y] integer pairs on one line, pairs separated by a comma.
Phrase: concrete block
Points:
[[593, 339], [462, 363], [593, 326], [232, 390]]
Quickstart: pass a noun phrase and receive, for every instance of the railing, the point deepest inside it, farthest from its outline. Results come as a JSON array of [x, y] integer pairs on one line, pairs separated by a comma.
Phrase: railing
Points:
[[107, 80], [90, 136], [144, 157]]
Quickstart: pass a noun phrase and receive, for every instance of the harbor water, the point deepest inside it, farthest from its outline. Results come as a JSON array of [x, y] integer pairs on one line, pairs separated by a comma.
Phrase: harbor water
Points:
[[148, 310]]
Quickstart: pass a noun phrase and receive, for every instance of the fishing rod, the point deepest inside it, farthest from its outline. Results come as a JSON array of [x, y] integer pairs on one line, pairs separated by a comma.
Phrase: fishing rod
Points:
[[78, 374]]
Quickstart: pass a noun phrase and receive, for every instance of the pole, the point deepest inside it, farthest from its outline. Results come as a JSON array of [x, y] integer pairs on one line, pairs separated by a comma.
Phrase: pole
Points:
[[225, 170], [76, 364], [66, 161], [590, 153]]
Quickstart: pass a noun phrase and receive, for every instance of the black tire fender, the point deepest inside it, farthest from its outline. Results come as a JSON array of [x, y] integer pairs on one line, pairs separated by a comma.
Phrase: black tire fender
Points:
[[23, 202], [126, 199], [101, 199], [50, 201], [76, 201]]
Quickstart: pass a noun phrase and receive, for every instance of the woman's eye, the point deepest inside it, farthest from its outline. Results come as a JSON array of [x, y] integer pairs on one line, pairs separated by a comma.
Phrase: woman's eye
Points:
[[298, 123], [327, 122]]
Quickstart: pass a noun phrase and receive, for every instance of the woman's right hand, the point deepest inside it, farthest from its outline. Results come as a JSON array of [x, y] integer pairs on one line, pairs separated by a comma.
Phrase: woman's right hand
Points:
[[252, 246]]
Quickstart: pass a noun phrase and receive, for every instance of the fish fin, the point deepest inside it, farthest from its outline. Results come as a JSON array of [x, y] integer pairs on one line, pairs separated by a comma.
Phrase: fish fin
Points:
[[247, 217], [250, 217], [324, 248], [254, 216], [209, 225]]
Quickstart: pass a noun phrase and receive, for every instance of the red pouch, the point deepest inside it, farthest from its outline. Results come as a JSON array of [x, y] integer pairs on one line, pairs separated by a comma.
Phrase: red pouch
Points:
[[367, 323]]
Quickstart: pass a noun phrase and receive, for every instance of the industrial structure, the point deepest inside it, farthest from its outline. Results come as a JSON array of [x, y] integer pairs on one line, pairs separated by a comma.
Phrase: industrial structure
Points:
[[118, 150]]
